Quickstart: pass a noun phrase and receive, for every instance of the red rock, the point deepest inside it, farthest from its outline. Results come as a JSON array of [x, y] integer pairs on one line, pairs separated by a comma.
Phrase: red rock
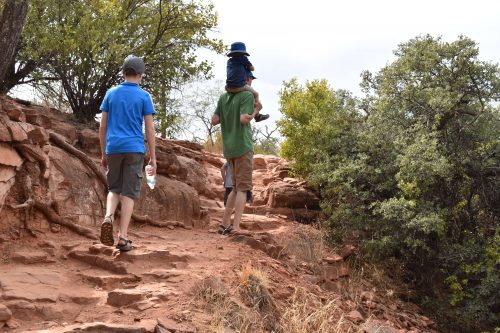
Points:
[[15, 113], [172, 326], [259, 162], [47, 244], [38, 135], [12, 323], [123, 297], [5, 313], [355, 317], [9, 156], [4, 130], [268, 180], [30, 257], [285, 195], [38, 120], [6, 173], [333, 259], [347, 250], [89, 140], [17, 132], [159, 329]]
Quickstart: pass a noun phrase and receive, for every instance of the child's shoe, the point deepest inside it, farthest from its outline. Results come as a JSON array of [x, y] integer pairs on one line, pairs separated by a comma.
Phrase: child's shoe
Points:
[[261, 117]]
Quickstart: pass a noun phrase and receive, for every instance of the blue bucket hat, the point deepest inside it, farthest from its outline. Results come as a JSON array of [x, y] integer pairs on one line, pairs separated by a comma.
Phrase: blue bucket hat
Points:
[[250, 75], [238, 47]]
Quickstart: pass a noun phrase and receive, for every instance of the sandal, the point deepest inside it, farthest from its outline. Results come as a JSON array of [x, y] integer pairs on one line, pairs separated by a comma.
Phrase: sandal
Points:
[[228, 230], [221, 229], [124, 247], [107, 231]]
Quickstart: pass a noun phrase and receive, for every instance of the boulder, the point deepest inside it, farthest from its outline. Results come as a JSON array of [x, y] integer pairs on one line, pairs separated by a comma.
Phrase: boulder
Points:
[[170, 200], [259, 162], [36, 118], [5, 313], [355, 316], [6, 172], [17, 132], [89, 141], [16, 114], [9, 156], [38, 135], [4, 130], [287, 195], [123, 297]]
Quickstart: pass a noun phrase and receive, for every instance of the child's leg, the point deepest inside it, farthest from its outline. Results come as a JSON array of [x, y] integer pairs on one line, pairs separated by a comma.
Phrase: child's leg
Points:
[[247, 87], [235, 90]]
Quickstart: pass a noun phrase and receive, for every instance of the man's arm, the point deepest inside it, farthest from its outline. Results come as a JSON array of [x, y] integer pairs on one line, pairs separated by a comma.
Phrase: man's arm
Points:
[[103, 128], [150, 136], [215, 120]]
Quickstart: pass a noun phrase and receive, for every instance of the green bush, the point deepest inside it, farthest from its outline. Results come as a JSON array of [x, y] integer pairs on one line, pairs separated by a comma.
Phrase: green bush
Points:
[[412, 170]]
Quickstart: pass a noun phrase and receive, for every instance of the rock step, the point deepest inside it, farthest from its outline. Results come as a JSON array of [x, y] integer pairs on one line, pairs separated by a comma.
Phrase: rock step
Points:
[[108, 282], [146, 327], [98, 261]]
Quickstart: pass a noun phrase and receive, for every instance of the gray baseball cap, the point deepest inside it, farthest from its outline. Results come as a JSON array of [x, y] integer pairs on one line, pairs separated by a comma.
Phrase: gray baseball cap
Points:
[[135, 63]]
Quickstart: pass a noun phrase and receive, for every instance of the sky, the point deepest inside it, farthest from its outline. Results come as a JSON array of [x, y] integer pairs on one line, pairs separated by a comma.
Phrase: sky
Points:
[[337, 40]]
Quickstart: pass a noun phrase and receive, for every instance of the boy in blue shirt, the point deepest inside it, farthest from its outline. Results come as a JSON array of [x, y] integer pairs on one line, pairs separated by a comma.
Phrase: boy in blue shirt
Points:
[[238, 67], [124, 109]]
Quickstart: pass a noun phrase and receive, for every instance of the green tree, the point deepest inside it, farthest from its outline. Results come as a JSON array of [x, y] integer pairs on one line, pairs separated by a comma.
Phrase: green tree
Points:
[[415, 173], [87, 41]]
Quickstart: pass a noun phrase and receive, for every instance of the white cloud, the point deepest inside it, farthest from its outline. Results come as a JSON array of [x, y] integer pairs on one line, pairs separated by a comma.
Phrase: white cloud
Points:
[[337, 40]]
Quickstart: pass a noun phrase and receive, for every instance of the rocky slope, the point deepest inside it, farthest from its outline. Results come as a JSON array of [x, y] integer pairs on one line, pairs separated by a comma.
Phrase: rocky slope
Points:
[[275, 276]]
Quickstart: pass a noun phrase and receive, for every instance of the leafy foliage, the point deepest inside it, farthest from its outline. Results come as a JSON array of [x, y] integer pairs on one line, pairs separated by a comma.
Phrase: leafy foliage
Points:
[[85, 42], [412, 170]]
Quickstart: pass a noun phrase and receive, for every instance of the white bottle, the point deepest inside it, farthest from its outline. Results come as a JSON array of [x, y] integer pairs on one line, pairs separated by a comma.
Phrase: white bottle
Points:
[[150, 179]]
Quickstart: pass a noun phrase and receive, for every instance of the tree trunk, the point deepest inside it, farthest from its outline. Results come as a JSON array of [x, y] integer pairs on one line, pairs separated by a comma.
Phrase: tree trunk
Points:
[[86, 112], [11, 26]]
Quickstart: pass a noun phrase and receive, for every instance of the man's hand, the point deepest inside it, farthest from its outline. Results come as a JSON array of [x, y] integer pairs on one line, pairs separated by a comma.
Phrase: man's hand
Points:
[[215, 120], [246, 118], [104, 162], [152, 162]]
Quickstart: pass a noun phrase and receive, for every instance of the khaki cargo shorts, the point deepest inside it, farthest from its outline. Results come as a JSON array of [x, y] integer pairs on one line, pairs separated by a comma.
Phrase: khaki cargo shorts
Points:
[[241, 172], [125, 174]]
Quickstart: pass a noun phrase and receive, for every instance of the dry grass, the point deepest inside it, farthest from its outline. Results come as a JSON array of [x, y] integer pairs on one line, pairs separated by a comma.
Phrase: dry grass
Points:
[[215, 147], [305, 314], [307, 244], [224, 312], [254, 288]]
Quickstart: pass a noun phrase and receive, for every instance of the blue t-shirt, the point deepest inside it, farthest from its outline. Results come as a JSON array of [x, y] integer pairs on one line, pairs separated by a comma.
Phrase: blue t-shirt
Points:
[[126, 105], [237, 67]]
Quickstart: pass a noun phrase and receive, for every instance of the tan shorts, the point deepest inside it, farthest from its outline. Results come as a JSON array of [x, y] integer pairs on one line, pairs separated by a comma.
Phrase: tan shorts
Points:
[[241, 172]]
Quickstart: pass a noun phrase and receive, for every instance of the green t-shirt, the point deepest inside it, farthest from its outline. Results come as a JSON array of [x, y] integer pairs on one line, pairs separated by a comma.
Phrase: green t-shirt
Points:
[[236, 137]]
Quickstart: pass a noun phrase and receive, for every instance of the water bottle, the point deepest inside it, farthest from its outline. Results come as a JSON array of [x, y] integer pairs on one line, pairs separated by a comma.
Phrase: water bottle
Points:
[[150, 179]]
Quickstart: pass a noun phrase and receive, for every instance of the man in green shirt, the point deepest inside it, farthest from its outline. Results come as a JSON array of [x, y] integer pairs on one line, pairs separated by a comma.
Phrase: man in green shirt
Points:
[[234, 112]]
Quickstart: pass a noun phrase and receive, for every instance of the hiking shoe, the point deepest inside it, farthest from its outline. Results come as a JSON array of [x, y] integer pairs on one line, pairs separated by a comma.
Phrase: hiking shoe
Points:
[[107, 231], [261, 117]]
